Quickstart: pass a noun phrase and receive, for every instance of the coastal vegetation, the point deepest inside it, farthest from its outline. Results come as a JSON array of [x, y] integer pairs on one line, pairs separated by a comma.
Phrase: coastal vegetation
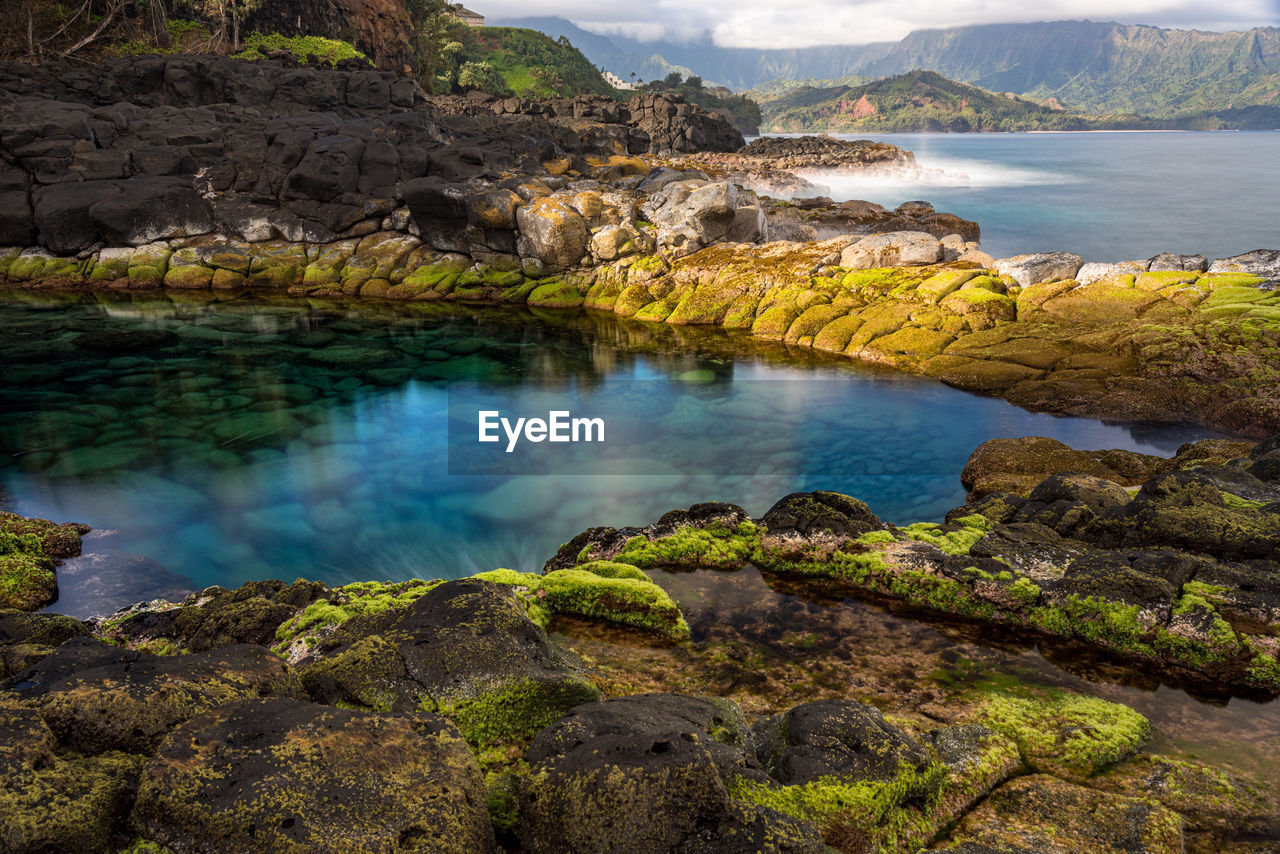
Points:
[[922, 102]]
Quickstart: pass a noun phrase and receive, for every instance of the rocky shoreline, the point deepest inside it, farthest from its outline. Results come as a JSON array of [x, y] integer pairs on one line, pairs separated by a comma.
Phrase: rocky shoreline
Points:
[[260, 711], [214, 174]]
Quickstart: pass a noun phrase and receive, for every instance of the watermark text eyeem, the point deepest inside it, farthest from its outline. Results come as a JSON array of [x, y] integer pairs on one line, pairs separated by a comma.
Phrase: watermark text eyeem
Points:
[[558, 426]]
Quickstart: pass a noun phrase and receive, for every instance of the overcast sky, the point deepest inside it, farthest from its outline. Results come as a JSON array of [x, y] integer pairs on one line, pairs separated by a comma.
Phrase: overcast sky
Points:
[[803, 23]]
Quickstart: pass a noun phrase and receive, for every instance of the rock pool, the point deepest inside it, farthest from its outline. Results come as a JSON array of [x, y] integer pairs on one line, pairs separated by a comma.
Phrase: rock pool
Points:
[[233, 439]]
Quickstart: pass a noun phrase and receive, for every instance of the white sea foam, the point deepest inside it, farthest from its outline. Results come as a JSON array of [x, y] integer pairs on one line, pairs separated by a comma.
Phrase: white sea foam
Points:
[[932, 173]]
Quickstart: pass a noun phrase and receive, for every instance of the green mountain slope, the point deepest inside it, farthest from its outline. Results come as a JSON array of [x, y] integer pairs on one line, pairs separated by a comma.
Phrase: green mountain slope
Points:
[[1101, 67], [915, 102], [533, 64]]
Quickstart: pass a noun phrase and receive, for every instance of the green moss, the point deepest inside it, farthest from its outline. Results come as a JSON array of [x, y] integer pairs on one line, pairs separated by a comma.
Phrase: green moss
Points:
[[516, 713], [328, 51], [27, 577], [713, 546], [880, 280], [353, 600], [927, 590], [877, 537], [603, 590], [649, 263], [1243, 503], [626, 601], [68, 804], [504, 803], [1264, 667], [1025, 591], [1067, 734], [555, 293], [837, 806], [613, 569], [1101, 621], [954, 542]]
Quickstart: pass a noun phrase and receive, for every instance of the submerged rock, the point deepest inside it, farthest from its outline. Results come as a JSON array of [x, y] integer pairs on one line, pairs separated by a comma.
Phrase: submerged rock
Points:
[[1043, 814], [1182, 574]]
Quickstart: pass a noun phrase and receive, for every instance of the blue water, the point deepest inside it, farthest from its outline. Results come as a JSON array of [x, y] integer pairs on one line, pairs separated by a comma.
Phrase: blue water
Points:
[[1105, 196], [285, 439]]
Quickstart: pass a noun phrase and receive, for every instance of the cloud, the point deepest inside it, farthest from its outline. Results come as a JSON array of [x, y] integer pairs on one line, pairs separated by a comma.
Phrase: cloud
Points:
[[806, 23]]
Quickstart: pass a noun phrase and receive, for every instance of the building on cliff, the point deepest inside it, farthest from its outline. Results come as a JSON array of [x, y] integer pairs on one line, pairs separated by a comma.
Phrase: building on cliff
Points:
[[617, 82], [466, 16]]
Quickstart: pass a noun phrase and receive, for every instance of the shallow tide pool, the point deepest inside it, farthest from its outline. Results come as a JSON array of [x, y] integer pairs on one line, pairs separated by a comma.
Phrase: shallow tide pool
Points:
[[234, 440]]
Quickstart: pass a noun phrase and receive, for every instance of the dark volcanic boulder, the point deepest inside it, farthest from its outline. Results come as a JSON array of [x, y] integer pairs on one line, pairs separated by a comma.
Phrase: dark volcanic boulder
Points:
[[836, 738], [1189, 510], [97, 698], [48, 803], [1152, 578], [129, 212], [466, 649], [720, 725], [214, 617], [27, 638], [648, 774], [593, 542], [808, 513], [286, 776]]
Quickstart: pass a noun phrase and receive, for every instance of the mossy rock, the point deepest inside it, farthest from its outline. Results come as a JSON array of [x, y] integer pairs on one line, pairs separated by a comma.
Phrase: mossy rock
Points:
[[1050, 816], [1071, 736], [840, 766], [980, 307], [715, 545], [71, 804], [656, 311], [293, 777], [28, 548], [608, 591], [977, 375], [27, 638], [98, 698], [649, 773], [189, 277], [711, 302], [467, 649], [1161, 279], [296, 635], [1209, 799], [1103, 302], [772, 324], [936, 287], [907, 347], [836, 335]]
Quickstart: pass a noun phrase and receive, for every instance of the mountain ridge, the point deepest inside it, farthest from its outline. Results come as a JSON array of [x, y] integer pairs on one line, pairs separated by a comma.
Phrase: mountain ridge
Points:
[[1094, 67]]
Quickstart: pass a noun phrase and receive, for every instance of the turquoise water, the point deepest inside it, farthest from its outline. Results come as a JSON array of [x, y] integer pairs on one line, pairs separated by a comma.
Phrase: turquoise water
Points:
[[236, 440], [1105, 196]]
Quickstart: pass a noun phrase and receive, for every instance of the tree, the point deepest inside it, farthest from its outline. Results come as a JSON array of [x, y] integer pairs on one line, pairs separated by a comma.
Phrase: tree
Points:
[[233, 12], [436, 31], [693, 82], [673, 79]]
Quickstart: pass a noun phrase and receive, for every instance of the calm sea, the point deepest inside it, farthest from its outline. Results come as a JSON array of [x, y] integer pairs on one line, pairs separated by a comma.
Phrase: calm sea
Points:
[[1106, 196]]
